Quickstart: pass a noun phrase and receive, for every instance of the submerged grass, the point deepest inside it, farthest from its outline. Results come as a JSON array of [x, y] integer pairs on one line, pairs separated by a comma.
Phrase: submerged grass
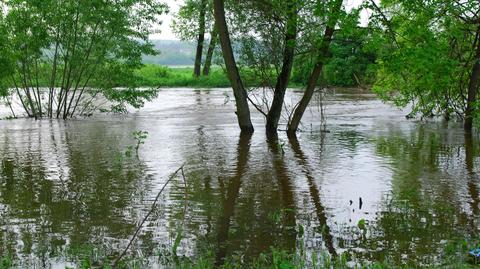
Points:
[[5, 263], [88, 257]]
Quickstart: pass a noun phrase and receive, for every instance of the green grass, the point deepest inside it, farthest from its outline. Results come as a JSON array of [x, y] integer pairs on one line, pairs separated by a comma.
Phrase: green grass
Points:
[[161, 76], [158, 76], [152, 75], [89, 257]]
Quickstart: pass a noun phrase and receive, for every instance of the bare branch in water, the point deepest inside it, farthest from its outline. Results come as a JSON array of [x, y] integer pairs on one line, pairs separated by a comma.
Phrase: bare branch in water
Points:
[[150, 212]]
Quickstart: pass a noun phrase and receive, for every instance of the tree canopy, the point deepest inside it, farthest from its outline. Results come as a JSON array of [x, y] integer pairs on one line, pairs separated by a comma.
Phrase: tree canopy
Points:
[[426, 52], [74, 45]]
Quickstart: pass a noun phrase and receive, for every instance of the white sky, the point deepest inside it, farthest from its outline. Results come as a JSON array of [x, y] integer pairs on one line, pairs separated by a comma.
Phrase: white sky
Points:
[[167, 34], [165, 29]]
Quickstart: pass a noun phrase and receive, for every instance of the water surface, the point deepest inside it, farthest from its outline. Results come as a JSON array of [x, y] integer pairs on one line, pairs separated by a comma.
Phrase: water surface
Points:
[[67, 188]]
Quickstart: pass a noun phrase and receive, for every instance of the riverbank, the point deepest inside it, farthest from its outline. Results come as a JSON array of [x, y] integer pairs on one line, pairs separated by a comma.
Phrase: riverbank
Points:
[[152, 75], [161, 76]]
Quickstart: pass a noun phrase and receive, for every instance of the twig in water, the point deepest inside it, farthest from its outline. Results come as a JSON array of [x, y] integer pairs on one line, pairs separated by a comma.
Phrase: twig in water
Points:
[[179, 236], [148, 214]]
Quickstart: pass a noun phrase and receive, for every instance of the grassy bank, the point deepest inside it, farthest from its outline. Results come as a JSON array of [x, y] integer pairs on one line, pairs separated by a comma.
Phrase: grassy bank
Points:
[[152, 75], [161, 76]]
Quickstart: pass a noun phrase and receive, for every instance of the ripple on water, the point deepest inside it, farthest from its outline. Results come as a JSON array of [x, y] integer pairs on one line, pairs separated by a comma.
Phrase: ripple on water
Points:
[[68, 185]]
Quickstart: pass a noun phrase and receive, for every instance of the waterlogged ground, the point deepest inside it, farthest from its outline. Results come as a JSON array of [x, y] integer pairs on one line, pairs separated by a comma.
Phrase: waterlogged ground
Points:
[[376, 186]]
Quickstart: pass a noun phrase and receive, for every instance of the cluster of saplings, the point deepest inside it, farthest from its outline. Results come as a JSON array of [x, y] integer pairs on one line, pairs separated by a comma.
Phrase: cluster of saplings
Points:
[[61, 58], [57, 57]]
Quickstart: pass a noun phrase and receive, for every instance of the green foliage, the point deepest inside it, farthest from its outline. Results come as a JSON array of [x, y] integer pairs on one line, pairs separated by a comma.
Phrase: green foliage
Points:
[[5, 263], [424, 54], [160, 76], [6, 64], [140, 137], [302, 69], [273, 259], [186, 24], [76, 45], [176, 244], [362, 224], [280, 259], [350, 63], [350, 60]]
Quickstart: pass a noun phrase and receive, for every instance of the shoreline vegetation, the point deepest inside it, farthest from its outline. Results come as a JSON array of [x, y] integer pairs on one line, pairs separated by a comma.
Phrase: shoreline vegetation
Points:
[[162, 76], [89, 256], [154, 75]]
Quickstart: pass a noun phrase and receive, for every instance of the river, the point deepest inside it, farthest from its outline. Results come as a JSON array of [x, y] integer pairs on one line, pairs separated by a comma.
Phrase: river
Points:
[[374, 185]]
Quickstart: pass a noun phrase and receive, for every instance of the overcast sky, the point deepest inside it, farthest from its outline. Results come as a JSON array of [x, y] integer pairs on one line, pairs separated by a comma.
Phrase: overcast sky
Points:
[[167, 34]]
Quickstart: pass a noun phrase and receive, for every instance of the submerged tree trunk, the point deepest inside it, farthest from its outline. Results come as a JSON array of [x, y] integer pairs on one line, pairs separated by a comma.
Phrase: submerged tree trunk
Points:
[[275, 111], [317, 70], [472, 89], [211, 49], [201, 38], [243, 111]]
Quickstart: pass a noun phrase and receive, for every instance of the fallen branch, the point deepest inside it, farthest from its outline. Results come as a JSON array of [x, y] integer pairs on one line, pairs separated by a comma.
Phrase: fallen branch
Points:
[[149, 213]]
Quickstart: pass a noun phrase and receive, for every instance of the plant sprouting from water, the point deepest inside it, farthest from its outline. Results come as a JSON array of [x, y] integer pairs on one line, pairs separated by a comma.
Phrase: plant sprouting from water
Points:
[[140, 138], [5, 263]]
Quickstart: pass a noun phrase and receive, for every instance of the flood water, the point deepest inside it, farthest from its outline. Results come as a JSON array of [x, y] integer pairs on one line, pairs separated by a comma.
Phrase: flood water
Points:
[[68, 189]]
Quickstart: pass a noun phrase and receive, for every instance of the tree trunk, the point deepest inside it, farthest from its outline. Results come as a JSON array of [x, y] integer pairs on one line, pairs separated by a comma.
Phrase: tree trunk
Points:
[[39, 97], [243, 111], [24, 105], [317, 70], [201, 38], [53, 77], [472, 90], [275, 111], [211, 49], [27, 91]]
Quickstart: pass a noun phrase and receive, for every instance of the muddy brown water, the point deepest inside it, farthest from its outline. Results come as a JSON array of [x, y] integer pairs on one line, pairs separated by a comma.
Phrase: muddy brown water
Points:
[[68, 189]]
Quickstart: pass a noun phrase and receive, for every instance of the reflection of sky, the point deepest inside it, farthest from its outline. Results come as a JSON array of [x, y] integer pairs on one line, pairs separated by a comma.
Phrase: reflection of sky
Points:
[[360, 175], [199, 128]]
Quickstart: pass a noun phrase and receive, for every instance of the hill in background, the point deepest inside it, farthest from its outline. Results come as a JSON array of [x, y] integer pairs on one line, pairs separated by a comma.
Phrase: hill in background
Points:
[[172, 53]]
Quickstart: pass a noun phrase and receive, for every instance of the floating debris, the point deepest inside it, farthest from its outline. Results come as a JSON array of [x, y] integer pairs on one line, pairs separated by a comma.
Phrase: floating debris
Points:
[[475, 253]]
